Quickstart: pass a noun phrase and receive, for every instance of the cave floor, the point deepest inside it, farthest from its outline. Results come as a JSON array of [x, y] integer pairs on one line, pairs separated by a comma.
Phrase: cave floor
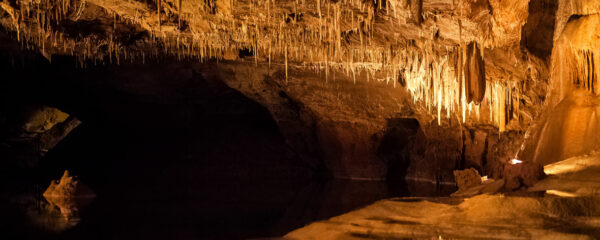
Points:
[[563, 206]]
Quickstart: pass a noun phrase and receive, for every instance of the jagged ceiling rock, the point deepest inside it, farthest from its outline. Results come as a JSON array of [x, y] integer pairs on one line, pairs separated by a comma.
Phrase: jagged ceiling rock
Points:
[[344, 67], [417, 41]]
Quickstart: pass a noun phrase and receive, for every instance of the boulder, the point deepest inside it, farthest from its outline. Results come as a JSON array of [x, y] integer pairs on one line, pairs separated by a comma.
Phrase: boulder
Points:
[[467, 178], [524, 174]]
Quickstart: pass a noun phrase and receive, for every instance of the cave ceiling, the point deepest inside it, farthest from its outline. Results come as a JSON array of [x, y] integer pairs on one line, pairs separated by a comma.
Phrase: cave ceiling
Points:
[[461, 59]]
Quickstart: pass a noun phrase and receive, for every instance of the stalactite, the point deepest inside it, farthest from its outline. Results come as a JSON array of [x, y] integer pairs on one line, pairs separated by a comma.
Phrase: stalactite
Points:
[[179, 15], [474, 72], [286, 64], [452, 85], [158, 13]]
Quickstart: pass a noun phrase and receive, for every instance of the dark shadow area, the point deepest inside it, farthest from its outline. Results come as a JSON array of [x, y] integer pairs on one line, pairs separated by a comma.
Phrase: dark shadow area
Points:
[[170, 154], [393, 149], [537, 33]]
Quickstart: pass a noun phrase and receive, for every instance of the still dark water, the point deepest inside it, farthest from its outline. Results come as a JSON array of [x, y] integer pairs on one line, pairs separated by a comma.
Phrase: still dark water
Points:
[[212, 210], [203, 162], [227, 182]]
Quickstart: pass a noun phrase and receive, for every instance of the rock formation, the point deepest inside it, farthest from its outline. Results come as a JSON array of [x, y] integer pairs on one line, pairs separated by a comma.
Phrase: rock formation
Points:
[[65, 193], [467, 178], [479, 77]]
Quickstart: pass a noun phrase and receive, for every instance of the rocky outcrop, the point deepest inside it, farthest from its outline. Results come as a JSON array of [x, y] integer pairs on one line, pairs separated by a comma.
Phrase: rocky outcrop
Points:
[[67, 187], [334, 76], [340, 122], [30, 133], [467, 178], [567, 129], [43, 119], [524, 175]]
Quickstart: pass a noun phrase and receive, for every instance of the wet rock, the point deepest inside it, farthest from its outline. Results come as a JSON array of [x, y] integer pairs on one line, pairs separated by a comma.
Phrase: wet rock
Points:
[[492, 186], [467, 178], [489, 186], [525, 174]]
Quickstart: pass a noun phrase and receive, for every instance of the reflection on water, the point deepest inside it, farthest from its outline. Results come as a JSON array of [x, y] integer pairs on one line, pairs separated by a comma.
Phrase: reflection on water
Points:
[[54, 216], [209, 210]]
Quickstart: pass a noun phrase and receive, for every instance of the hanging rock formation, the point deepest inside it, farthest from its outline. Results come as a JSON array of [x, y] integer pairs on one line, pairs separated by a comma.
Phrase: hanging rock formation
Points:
[[335, 74], [474, 72]]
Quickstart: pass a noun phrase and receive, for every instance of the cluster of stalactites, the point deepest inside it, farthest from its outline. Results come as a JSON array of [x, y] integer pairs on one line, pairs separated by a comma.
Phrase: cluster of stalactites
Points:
[[339, 35], [455, 85], [586, 70], [575, 68]]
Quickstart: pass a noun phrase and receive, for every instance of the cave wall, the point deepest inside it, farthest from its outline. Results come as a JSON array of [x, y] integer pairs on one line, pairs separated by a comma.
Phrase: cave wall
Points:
[[342, 94], [569, 125]]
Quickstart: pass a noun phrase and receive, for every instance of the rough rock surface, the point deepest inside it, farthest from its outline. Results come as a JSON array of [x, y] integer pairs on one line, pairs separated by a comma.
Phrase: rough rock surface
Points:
[[476, 75], [66, 196], [571, 190], [481, 217], [43, 119], [66, 187], [467, 178], [29, 132], [525, 174]]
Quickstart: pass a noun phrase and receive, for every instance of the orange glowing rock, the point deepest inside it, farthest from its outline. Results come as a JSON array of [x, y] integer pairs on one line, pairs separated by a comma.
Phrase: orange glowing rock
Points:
[[62, 192], [65, 197]]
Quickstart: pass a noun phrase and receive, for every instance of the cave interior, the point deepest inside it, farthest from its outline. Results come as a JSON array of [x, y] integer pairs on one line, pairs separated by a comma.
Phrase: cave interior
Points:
[[305, 119]]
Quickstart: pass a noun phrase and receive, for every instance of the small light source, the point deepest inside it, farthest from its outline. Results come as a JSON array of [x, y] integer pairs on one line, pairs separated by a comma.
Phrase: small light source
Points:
[[484, 178], [515, 161]]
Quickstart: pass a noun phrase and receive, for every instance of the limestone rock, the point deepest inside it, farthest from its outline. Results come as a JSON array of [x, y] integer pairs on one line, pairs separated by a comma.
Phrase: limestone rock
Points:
[[525, 174], [474, 72], [474, 149], [43, 119], [67, 187], [467, 178]]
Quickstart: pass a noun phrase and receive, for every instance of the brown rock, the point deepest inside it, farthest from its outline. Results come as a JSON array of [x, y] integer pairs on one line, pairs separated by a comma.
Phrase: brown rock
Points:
[[474, 149], [474, 73], [67, 187], [467, 178], [525, 174]]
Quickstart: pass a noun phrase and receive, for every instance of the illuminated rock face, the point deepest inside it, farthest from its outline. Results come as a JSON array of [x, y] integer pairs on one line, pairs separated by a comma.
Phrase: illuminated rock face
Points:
[[436, 47], [569, 127]]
